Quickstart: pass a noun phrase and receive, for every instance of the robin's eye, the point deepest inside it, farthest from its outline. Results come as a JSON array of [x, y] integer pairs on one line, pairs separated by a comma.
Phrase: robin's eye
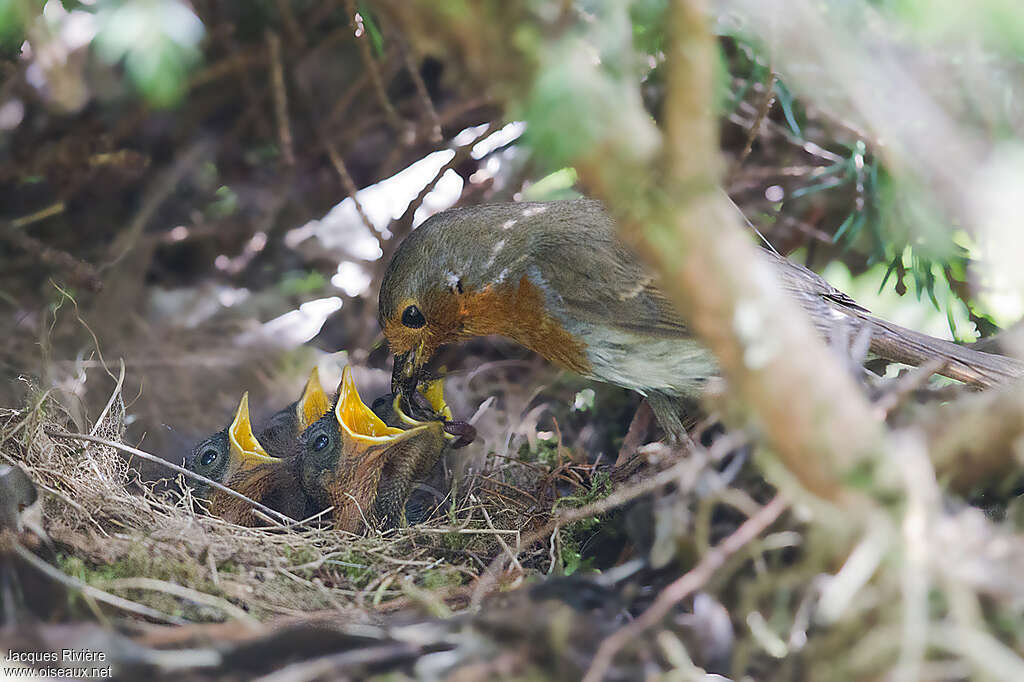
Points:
[[321, 442], [413, 318], [209, 457]]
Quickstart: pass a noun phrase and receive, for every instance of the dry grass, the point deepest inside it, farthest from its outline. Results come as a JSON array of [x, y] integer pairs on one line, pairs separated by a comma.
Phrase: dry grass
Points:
[[115, 530], [780, 591]]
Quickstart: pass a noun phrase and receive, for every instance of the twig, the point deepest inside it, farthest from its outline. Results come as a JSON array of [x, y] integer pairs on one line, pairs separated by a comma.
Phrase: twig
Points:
[[291, 25], [424, 95], [284, 132], [347, 183], [683, 586], [332, 666], [898, 390], [497, 536], [79, 272], [637, 431], [755, 128], [114, 396], [972, 439], [362, 42], [174, 467], [616, 499], [984, 651], [157, 193], [93, 592], [142, 583], [42, 214]]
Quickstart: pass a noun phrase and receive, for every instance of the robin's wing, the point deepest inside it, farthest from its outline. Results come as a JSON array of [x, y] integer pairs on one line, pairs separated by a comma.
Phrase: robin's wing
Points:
[[600, 281], [595, 279]]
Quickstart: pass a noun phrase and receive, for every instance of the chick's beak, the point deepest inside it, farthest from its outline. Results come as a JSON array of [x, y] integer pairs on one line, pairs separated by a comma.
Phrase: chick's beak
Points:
[[246, 450], [313, 403], [363, 432], [459, 432]]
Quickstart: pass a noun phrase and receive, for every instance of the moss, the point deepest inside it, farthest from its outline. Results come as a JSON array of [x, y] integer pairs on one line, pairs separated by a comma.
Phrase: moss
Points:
[[573, 537], [545, 452], [141, 563], [356, 566], [441, 577], [455, 541]]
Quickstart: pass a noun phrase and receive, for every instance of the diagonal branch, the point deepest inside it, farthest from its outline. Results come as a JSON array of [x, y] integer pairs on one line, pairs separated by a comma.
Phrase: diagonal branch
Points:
[[809, 410]]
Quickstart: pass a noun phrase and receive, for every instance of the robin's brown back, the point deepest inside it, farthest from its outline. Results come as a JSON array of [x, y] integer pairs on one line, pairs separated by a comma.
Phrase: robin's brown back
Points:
[[556, 278]]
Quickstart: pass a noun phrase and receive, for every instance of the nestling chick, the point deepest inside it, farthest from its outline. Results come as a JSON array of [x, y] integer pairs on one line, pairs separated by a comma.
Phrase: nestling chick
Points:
[[236, 448], [351, 460]]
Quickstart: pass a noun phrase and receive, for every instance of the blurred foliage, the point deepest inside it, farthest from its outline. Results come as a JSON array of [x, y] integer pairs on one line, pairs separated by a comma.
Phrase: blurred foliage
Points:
[[597, 76], [156, 40]]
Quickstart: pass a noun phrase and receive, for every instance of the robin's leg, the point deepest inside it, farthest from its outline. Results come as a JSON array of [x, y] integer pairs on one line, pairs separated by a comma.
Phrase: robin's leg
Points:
[[668, 411]]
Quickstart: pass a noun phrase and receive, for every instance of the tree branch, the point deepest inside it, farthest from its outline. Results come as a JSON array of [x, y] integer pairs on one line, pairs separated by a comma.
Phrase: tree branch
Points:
[[809, 410]]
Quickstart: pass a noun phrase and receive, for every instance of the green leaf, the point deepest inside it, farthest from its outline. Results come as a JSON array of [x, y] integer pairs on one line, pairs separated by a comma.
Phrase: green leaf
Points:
[[854, 222], [785, 98]]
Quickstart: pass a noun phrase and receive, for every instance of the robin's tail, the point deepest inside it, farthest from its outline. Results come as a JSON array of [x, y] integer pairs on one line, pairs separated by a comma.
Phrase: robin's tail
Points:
[[899, 344]]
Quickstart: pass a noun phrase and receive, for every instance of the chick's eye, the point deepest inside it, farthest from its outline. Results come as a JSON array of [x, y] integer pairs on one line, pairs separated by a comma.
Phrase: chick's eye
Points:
[[413, 318], [208, 457], [321, 442]]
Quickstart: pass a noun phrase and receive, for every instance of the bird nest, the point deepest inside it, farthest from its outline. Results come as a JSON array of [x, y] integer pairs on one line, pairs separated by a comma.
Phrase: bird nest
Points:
[[148, 542], [719, 572]]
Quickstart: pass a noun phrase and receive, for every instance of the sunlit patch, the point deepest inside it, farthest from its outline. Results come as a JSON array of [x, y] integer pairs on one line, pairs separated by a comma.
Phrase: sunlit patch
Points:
[[11, 113], [510, 133], [177, 234], [352, 278], [342, 229], [471, 134], [296, 327]]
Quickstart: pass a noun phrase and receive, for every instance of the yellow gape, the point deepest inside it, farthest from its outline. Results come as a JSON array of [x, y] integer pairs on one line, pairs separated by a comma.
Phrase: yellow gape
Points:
[[314, 402], [246, 451]]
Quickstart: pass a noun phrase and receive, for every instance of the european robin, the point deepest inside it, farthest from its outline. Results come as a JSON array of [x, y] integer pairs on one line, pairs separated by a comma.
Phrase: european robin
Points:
[[235, 448], [351, 460], [555, 278]]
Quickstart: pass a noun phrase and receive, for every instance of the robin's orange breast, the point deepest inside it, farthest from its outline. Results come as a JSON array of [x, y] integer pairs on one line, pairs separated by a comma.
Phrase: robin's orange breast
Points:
[[518, 312]]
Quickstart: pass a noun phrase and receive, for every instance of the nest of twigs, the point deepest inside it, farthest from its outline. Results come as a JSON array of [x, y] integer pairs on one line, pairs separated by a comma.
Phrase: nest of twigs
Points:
[[100, 513], [713, 570]]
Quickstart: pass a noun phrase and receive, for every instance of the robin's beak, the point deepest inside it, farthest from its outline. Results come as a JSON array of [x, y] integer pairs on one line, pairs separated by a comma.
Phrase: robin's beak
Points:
[[314, 402], [245, 449], [405, 374]]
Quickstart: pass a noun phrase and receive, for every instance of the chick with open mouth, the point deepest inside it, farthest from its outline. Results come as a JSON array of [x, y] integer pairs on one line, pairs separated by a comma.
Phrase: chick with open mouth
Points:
[[237, 448], [352, 460]]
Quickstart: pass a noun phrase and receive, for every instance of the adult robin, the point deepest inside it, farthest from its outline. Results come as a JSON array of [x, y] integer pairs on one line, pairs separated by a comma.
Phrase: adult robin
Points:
[[555, 278], [235, 447], [351, 460]]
